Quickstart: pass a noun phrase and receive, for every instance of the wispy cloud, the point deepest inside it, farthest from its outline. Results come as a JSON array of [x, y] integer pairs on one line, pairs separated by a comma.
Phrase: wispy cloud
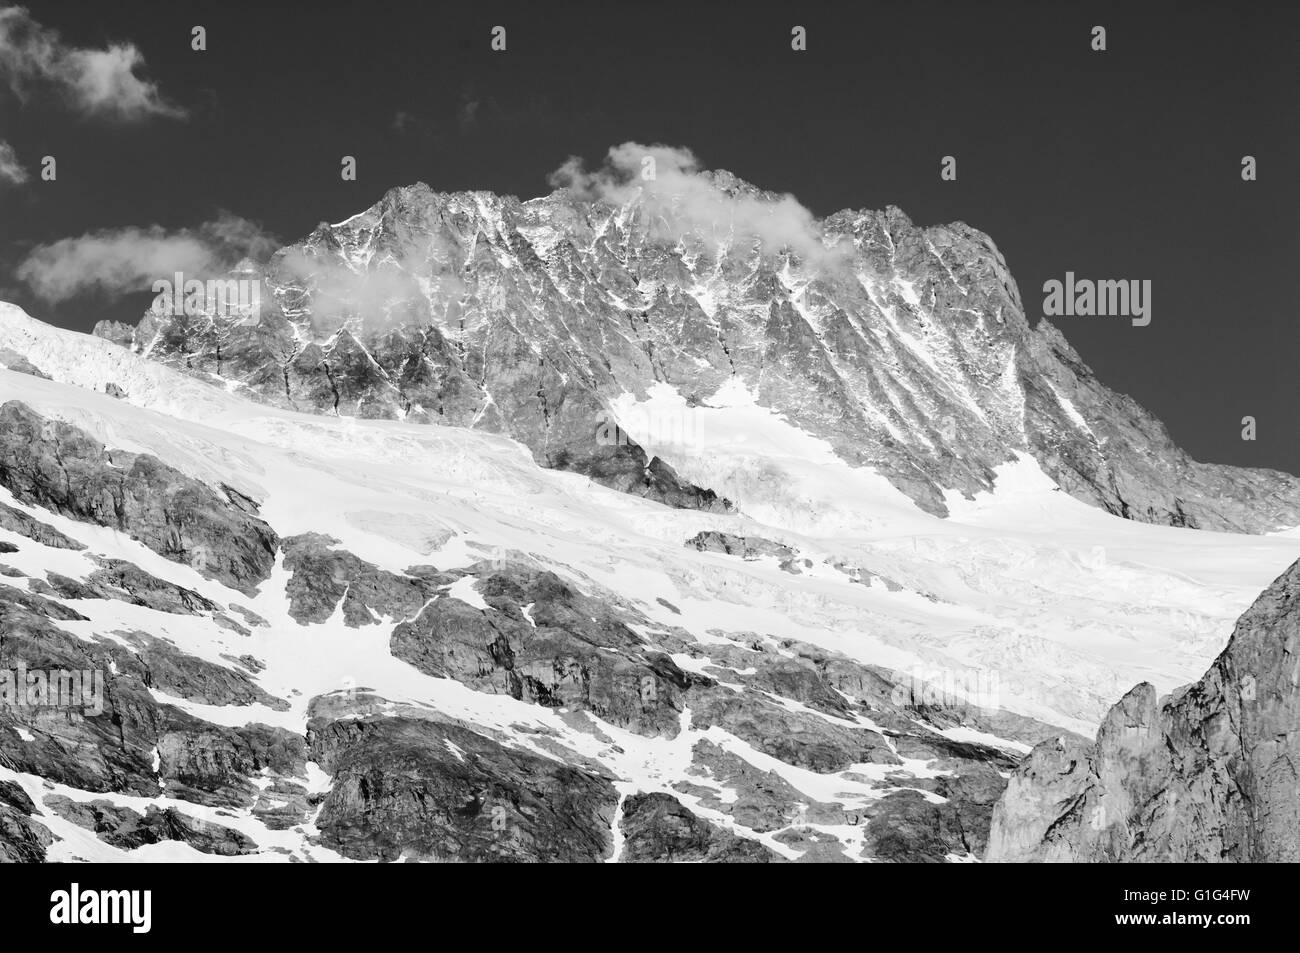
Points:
[[11, 170], [115, 262], [96, 82], [682, 200], [396, 290]]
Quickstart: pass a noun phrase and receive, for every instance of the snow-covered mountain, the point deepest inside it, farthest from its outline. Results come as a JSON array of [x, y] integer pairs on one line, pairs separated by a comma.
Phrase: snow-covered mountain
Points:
[[330, 637], [906, 349], [638, 522]]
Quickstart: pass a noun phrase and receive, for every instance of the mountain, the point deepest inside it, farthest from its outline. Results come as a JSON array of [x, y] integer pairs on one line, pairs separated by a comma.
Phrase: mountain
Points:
[[1205, 775], [272, 691], [328, 638], [740, 538], [907, 349]]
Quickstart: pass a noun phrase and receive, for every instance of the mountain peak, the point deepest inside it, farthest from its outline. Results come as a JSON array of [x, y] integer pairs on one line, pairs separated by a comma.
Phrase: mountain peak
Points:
[[907, 349]]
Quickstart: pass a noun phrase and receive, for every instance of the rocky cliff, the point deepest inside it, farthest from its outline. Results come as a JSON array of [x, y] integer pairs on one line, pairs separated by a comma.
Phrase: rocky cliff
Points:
[[1208, 774]]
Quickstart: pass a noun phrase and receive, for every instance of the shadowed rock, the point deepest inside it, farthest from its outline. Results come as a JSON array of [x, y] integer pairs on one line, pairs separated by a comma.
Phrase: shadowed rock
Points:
[[657, 828], [23, 840], [46, 462], [114, 748], [126, 582], [804, 739], [746, 547], [162, 666], [323, 576], [570, 650], [429, 790], [16, 521], [126, 829]]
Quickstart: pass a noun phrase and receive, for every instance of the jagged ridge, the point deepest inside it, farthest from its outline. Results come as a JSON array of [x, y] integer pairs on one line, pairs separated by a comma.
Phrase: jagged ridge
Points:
[[906, 348]]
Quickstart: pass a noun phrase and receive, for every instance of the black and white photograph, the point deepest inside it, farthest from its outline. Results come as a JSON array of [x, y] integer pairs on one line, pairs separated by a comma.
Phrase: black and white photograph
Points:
[[649, 433]]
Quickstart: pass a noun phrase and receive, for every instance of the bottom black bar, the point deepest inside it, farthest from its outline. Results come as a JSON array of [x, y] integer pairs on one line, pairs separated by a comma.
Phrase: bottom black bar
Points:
[[337, 903]]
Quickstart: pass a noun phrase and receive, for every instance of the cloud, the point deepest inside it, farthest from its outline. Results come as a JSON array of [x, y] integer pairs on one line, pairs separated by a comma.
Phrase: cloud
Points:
[[683, 201], [397, 290], [115, 262], [96, 82], [11, 170]]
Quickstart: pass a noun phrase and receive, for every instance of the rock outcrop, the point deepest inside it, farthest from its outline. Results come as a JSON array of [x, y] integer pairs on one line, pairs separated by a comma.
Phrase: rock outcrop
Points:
[[323, 577], [125, 828], [658, 829], [537, 638], [112, 735], [52, 464], [1208, 774], [746, 547], [429, 789], [16, 521], [22, 839], [126, 582]]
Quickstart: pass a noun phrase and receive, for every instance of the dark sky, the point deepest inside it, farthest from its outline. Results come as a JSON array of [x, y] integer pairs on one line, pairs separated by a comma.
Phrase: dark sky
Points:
[[1122, 164]]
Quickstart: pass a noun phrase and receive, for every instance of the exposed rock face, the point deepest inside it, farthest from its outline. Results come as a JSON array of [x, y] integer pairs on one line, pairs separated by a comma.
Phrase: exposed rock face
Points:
[[114, 749], [55, 465], [906, 826], [127, 582], [541, 640], [657, 828], [22, 840], [36, 603], [423, 789], [324, 576], [1207, 774], [746, 547], [763, 801], [125, 828], [799, 738], [16, 521], [161, 665], [908, 349]]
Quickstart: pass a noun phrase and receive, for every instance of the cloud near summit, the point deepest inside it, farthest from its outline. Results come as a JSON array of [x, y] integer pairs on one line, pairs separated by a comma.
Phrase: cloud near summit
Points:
[[114, 262], [684, 200]]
